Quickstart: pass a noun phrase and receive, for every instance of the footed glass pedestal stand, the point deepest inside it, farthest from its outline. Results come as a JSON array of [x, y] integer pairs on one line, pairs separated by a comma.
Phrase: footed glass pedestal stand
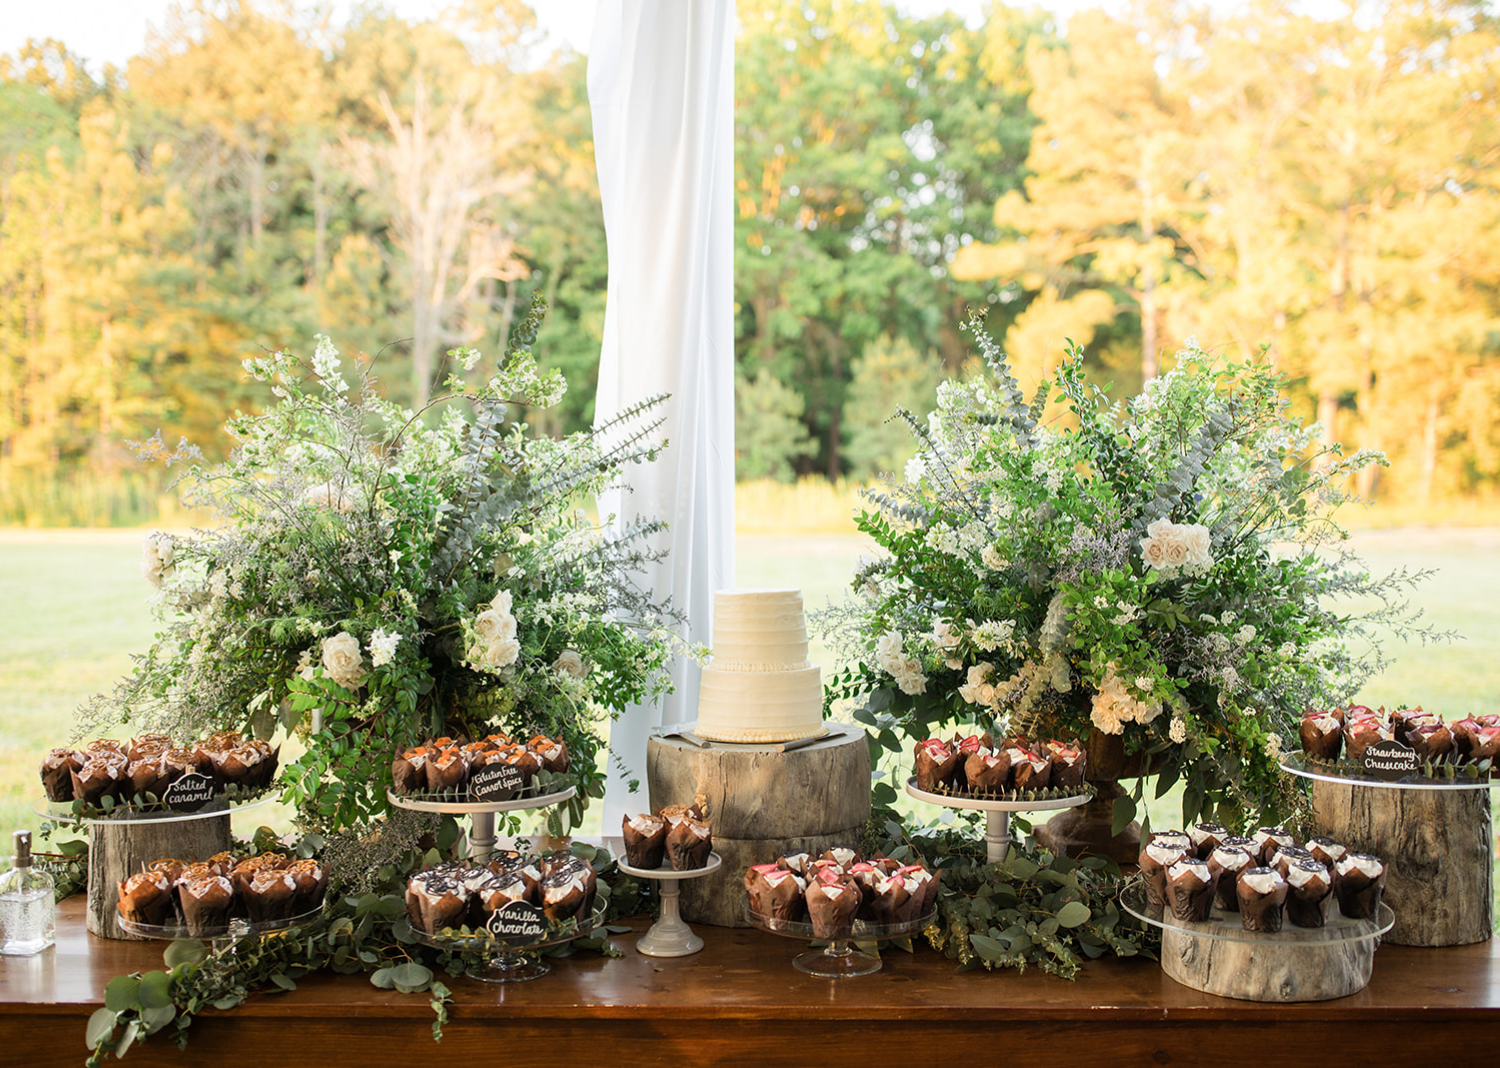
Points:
[[481, 813], [841, 960], [222, 937], [670, 936], [997, 811], [505, 963]]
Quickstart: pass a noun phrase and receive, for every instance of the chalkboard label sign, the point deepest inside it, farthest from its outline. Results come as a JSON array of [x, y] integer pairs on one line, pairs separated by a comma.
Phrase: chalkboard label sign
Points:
[[1391, 760], [190, 792], [496, 782], [518, 923]]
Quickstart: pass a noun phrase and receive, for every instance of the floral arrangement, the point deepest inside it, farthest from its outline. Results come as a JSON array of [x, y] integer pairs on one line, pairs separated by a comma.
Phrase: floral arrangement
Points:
[[384, 576], [1163, 574]]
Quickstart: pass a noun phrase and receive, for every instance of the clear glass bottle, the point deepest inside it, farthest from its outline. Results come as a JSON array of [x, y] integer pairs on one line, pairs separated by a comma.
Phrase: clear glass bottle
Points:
[[28, 912]]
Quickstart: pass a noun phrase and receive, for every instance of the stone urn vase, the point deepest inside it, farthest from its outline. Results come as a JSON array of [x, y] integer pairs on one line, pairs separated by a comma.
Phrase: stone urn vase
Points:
[[1087, 831]]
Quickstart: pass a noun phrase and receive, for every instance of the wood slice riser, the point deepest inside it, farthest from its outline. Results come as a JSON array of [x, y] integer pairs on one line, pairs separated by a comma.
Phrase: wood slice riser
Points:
[[1271, 971], [117, 851], [1438, 854], [754, 792]]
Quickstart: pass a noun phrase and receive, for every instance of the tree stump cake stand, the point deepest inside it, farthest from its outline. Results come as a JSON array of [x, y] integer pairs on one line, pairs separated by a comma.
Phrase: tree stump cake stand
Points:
[[761, 801], [1436, 839], [123, 842]]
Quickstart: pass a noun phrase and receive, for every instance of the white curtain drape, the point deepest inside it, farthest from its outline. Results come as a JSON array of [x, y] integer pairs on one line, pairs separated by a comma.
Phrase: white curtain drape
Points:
[[661, 89]]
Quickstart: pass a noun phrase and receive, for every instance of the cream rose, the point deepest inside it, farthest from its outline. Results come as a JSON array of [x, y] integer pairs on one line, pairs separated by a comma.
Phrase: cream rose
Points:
[[493, 625], [501, 653], [156, 556], [342, 661], [569, 662]]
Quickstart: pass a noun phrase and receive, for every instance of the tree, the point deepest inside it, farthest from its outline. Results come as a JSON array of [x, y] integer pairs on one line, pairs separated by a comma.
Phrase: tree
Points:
[[1093, 236]]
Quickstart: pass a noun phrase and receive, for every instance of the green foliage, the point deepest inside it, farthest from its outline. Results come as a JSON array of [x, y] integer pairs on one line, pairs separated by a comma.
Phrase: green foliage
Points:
[[1164, 571], [362, 932], [1031, 910], [768, 433], [387, 575]]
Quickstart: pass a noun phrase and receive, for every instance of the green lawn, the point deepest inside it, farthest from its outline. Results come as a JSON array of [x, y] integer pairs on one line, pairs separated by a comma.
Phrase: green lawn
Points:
[[74, 611]]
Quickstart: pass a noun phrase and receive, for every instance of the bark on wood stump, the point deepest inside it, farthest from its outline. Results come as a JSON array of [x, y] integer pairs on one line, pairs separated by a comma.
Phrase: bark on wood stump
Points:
[[761, 803], [119, 850], [1437, 849], [1267, 971]]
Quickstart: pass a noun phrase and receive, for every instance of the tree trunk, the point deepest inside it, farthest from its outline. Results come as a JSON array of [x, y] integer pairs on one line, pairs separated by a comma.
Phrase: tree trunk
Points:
[[1438, 850], [120, 850], [761, 803]]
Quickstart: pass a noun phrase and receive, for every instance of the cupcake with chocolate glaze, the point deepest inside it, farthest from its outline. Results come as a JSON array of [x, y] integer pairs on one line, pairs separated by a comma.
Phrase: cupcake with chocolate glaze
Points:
[[1190, 889], [435, 901], [1226, 863], [1326, 851], [1287, 855], [1358, 882], [568, 891], [1155, 859], [1268, 840], [1309, 893], [1262, 898], [1206, 837]]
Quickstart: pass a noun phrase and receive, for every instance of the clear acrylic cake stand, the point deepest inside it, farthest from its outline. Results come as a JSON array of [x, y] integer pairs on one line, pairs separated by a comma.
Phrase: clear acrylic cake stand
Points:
[[670, 936], [997, 812]]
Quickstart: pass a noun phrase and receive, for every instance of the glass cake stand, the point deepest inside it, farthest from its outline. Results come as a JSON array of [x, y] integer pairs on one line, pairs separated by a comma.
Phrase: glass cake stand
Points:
[[1218, 956], [481, 813], [128, 813], [997, 811], [1346, 774], [1226, 926], [220, 935], [840, 960], [511, 959], [670, 936]]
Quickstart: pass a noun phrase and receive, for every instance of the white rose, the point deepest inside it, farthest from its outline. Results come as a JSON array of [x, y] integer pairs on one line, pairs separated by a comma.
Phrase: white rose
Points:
[[156, 556], [569, 662], [502, 602], [502, 653], [1196, 539], [493, 625], [341, 660], [1175, 552]]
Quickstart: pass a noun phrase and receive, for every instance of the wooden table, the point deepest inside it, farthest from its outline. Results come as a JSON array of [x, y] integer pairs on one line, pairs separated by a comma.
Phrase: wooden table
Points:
[[740, 1001]]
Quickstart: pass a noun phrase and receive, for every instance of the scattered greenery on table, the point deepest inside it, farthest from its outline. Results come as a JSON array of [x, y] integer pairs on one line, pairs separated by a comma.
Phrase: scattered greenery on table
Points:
[[359, 931], [1032, 910]]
